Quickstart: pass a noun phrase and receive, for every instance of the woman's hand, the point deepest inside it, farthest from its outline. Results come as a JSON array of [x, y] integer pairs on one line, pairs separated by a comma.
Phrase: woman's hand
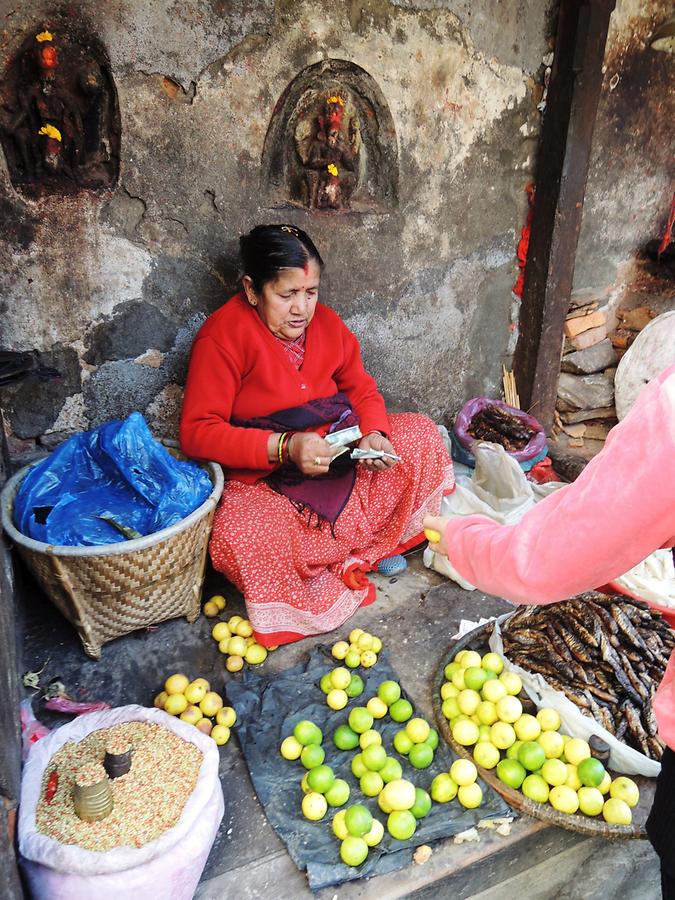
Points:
[[377, 441], [310, 453], [438, 524]]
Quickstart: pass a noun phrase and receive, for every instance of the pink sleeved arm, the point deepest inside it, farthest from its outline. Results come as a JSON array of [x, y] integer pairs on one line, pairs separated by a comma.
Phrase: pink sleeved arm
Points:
[[619, 510]]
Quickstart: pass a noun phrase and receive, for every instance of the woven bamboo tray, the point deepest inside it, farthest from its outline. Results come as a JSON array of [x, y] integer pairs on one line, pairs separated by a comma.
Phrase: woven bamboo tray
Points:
[[109, 590], [478, 640]]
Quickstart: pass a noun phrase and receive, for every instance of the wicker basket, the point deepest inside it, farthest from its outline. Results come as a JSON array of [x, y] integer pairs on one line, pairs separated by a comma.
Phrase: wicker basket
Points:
[[109, 590]]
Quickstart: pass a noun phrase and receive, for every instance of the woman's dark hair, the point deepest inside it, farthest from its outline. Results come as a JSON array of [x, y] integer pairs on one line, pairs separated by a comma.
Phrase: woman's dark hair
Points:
[[267, 249]]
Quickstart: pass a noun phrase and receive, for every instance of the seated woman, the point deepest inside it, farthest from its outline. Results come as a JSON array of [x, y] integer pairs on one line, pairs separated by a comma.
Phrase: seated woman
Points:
[[272, 372]]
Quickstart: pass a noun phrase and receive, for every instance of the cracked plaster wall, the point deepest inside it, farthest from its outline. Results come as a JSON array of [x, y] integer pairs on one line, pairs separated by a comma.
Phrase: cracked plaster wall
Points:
[[111, 288], [631, 176]]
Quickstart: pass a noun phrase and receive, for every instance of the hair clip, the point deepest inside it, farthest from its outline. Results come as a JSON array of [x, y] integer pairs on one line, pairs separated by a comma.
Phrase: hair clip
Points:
[[290, 230]]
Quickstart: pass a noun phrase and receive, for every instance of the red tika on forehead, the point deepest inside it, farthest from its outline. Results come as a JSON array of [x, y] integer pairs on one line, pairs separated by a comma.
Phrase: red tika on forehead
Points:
[[305, 268]]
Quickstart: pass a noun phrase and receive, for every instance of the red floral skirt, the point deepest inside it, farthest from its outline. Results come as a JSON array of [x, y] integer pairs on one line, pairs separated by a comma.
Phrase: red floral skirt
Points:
[[299, 579]]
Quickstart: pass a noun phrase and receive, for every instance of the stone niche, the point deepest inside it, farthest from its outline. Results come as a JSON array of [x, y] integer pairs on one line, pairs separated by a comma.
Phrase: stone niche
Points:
[[331, 143], [59, 115]]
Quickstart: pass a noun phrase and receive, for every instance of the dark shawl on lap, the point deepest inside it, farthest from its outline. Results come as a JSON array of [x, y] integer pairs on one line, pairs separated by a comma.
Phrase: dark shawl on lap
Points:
[[323, 496]]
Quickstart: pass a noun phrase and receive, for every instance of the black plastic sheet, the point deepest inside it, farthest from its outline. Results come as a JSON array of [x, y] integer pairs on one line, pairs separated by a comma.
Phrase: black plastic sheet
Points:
[[268, 708]]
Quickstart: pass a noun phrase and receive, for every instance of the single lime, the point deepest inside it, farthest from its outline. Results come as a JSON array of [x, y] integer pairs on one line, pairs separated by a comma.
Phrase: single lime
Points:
[[375, 834], [307, 733], [391, 770], [591, 772], [389, 692], [421, 756], [511, 772], [339, 827], [353, 850], [475, 677], [355, 686], [422, 803], [402, 743], [358, 819], [359, 768], [401, 824], [338, 793], [470, 795], [291, 748], [370, 737], [314, 806], [340, 678], [443, 788], [312, 756], [401, 710], [375, 756], [344, 738], [360, 719], [321, 779], [371, 784], [531, 755]]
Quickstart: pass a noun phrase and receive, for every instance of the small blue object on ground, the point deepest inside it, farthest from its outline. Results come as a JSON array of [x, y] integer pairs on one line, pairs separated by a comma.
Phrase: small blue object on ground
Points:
[[392, 565]]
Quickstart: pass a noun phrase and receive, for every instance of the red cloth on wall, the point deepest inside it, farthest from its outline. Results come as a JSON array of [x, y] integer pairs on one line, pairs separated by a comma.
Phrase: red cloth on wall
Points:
[[238, 369]]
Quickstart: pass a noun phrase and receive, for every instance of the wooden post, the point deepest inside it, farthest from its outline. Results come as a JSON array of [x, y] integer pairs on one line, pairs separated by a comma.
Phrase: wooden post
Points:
[[562, 171]]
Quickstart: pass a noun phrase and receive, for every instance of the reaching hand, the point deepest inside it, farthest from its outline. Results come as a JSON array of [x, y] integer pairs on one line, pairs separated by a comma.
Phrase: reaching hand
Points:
[[377, 441], [438, 524], [310, 453]]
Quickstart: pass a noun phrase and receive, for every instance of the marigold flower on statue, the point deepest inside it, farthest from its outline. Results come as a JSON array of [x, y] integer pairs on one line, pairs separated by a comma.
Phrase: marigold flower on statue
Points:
[[50, 132], [333, 169], [44, 36], [336, 99]]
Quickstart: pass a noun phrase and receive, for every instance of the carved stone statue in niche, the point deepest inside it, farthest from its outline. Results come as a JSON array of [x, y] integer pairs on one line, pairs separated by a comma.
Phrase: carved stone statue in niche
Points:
[[328, 143], [59, 122]]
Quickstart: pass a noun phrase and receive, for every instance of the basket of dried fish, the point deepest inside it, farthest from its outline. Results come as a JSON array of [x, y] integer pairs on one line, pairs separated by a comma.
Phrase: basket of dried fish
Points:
[[520, 434]]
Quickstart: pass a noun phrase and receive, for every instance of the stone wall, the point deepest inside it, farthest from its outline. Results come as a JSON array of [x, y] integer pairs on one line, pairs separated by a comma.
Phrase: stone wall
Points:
[[109, 287]]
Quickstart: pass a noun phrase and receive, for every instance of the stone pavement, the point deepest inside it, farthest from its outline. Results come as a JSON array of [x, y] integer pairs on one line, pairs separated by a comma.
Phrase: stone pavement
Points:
[[414, 614]]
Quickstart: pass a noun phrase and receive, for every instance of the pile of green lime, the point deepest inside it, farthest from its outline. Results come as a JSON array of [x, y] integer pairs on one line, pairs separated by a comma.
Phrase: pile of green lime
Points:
[[340, 686], [319, 785], [360, 650], [417, 741], [529, 753]]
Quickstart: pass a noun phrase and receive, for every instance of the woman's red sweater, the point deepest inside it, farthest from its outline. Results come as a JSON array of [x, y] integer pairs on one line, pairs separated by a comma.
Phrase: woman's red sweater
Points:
[[238, 369]]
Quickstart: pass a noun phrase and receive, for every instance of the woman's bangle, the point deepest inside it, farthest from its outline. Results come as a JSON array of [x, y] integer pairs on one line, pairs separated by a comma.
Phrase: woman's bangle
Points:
[[286, 449], [280, 447]]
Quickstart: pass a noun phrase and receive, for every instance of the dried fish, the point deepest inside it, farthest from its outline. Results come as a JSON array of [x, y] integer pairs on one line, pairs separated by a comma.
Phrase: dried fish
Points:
[[655, 746], [649, 719], [608, 696], [636, 728], [628, 628], [605, 653], [574, 645], [609, 625], [558, 644], [621, 728]]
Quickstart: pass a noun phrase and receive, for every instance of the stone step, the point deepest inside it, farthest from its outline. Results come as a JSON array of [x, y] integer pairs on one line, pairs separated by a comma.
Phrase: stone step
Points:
[[594, 869]]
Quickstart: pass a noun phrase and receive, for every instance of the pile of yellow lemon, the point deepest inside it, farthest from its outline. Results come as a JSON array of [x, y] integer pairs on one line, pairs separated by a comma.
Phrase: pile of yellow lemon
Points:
[[481, 703], [235, 641], [195, 703], [360, 650], [214, 605]]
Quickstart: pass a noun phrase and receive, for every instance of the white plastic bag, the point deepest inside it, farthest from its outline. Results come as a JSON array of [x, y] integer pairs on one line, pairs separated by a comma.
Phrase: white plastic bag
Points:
[[497, 488], [653, 579], [168, 868], [622, 759]]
